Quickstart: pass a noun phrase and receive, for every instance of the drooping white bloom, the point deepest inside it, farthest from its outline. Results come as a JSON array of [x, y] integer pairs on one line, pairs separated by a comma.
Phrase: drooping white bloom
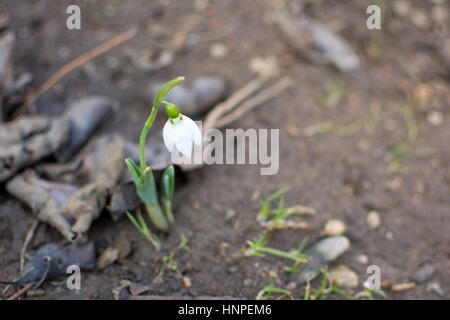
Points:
[[181, 133]]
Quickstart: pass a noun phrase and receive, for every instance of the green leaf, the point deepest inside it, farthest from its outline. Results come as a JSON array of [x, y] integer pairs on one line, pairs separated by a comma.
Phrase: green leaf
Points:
[[166, 89], [134, 171], [168, 183], [146, 188]]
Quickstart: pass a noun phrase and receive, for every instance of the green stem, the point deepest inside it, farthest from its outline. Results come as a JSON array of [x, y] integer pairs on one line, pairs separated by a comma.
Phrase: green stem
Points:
[[147, 126], [280, 253]]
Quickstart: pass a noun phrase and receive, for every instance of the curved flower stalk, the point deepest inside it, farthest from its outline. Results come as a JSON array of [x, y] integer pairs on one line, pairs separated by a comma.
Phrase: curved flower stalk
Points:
[[181, 135]]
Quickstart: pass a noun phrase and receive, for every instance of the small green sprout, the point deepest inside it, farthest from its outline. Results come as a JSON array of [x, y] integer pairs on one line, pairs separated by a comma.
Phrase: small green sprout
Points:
[[259, 249], [368, 294], [275, 218], [169, 260], [142, 227], [327, 287], [266, 293]]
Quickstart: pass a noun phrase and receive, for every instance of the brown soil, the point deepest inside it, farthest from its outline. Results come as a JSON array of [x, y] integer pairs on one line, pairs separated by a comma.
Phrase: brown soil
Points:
[[341, 176]]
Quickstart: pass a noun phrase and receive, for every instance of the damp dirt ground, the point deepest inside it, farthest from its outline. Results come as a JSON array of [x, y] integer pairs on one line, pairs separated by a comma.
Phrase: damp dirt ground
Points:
[[345, 173]]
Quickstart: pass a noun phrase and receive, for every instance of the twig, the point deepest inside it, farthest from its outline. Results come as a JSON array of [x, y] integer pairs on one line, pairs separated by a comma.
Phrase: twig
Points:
[[228, 105], [21, 292], [27, 240], [74, 64], [180, 37], [260, 98]]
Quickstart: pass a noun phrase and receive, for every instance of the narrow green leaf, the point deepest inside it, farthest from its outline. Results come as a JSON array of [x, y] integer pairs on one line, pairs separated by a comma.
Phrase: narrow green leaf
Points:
[[134, 170], [146, 188], [168, 183]]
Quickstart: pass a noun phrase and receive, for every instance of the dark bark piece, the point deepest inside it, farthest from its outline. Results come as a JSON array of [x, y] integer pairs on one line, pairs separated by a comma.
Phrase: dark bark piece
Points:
[[316, 43], [45, 198], [124, 198], [22, 129], [61, 257], [104, 166], [7, 41], [85, 116], [23, 153]]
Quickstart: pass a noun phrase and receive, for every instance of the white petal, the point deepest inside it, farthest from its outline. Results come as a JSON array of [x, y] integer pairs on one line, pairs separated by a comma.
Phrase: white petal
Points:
[[194, 130], [168, 135], [184, 145]]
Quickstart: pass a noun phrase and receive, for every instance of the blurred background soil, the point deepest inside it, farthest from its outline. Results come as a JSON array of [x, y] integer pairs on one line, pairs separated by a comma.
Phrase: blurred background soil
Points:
[[371, 164]]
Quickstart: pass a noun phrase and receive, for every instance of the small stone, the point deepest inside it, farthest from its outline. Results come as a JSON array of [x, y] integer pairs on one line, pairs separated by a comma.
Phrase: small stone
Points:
[[402, 7], [435, 287], [424, 273], [331, 248], [435, 118], [230, 214], [293, 130], [394, 184], [420, 19], [389, 235], [363, 259], [108, 257], [218, 50], [248, 282], [291, 286], [439, 14], [320, 255], [233, 269], [344, 276], [373, 220], [334, 227], [187, 282], [273, 274]]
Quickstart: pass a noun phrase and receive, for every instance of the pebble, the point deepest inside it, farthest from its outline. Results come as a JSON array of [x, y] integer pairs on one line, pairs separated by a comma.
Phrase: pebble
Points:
[[424, 273], [291, 286], [334, 227], [108, 257], [344, 276], [363, 259], [218, 50], [320, 255], [187, 282], [435, 118], [373, 220], [435, 287], [85, 115], [248, 282], [230, 214]]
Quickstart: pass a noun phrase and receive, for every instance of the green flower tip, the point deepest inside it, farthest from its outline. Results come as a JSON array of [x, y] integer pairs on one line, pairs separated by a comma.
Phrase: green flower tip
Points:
[[172, 111]]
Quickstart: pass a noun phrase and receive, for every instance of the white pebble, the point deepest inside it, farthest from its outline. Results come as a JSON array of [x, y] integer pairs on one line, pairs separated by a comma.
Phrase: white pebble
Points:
[[373, 220], [218, 50], [334, 227], [435, 118]]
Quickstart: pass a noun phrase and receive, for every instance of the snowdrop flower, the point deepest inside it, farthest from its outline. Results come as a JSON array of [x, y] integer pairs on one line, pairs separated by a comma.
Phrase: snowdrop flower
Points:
[[180, 131]]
